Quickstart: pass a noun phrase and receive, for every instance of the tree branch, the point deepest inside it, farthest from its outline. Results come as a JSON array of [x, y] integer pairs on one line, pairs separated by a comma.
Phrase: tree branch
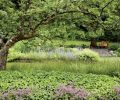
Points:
[[28, 3], [17, 38], [49, 18], [106, 5]]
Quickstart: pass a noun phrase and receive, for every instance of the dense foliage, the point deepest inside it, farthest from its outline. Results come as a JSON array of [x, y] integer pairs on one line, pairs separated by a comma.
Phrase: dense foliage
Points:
[[57, 53], [47, 21], [44, 84], [77, 19], [88, 55]]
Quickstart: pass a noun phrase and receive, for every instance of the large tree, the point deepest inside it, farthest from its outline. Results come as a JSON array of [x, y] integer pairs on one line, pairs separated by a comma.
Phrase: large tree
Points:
[[23, 19]]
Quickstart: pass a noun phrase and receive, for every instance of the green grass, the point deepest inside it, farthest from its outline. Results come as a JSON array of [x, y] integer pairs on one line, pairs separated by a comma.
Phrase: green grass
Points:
[[40, 60], [105, 66]]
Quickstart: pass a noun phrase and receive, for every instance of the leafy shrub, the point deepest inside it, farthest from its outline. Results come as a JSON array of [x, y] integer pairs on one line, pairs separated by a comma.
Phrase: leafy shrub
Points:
[[13, 54], [116, 74], [84, 46], [88, 55], [118, 52], [72, 46], [114, 47]]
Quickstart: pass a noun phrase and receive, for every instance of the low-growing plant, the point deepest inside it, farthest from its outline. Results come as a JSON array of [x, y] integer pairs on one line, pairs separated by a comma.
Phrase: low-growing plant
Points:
[[114, 95], [43, 84], [15, 94], [117, 91], [88, 55], [70, 92]]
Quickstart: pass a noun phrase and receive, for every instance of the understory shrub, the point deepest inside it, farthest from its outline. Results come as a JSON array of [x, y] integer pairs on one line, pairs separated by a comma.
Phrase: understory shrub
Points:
[[114, 47], [116, 74], [118, 52], [84, 46], [88, 55]]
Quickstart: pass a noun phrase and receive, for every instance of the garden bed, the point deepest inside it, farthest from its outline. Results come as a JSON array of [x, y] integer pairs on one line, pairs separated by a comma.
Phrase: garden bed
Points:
[[43, 84]]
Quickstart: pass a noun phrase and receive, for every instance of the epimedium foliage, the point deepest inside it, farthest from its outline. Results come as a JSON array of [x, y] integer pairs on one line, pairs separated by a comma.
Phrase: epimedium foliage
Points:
[[45, 85]]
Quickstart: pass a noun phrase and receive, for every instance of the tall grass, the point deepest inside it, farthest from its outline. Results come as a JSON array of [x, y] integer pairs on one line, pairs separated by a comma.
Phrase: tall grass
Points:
[[105, 66], [62, 63]]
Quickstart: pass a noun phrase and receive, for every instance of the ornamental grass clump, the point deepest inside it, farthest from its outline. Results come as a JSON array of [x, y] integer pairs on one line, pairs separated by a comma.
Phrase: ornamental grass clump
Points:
[[88, 55]]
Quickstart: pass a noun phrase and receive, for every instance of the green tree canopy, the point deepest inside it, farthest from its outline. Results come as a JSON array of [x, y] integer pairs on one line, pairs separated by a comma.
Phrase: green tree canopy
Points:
[[24, 19]]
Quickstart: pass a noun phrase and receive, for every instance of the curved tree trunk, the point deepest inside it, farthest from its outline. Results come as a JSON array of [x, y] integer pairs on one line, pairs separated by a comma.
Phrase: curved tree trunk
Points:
[[3, 59], [4, 47]]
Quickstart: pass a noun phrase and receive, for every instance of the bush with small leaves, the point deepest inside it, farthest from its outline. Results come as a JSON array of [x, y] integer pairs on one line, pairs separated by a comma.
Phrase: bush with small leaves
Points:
[[118, 52], [88, 55], [114, 47]]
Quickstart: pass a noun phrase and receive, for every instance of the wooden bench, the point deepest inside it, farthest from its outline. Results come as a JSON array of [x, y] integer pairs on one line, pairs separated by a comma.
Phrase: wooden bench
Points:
[[103, 44]]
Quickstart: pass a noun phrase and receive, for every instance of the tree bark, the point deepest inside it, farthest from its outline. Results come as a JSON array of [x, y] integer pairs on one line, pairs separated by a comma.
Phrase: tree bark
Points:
[[93, 43], [3, 58], [5, 48]]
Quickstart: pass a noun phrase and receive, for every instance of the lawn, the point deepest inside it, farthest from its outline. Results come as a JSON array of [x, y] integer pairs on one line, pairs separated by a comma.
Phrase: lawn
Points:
[[106, 66]]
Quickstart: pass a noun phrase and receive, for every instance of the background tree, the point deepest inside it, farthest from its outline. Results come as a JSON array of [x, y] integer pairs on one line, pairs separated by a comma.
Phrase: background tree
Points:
[[25, 19]]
